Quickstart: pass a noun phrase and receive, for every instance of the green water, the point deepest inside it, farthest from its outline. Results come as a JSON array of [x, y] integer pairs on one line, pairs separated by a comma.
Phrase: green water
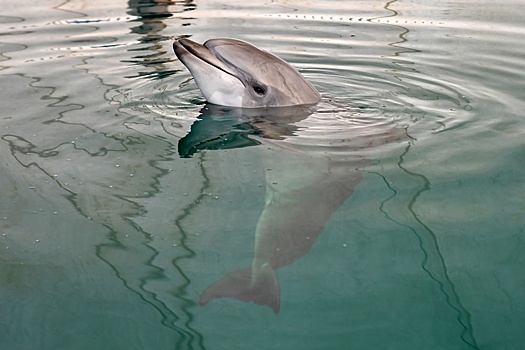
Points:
[[108, 237]]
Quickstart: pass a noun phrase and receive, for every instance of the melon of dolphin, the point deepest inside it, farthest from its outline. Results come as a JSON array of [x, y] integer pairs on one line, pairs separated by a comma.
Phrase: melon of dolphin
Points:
[[231, 72]]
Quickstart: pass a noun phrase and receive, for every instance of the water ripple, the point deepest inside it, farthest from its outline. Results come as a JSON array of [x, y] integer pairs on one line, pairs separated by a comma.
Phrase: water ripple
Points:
[[97, 103]]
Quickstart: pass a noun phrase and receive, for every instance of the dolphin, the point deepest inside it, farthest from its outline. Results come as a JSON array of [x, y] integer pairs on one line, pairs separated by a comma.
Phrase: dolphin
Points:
[[255, 98], [234, 73]]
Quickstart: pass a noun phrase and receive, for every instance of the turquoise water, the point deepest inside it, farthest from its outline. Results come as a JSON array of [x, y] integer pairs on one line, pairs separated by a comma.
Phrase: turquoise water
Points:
[[110, 233]]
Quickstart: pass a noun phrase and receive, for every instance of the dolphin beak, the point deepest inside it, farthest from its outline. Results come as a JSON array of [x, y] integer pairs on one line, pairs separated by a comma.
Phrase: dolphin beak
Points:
[[188, 51]]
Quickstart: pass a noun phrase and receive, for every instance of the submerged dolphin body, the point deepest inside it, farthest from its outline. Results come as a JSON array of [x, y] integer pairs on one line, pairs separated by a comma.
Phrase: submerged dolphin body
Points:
[[231, 72], [302, 192], [303, 188]]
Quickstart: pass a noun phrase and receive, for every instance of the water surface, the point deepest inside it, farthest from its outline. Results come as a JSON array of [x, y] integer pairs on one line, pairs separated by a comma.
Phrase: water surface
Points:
[[109, 237]]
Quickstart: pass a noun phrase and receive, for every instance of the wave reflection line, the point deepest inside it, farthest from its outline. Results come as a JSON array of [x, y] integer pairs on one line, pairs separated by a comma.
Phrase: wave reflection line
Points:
[[433, 261]]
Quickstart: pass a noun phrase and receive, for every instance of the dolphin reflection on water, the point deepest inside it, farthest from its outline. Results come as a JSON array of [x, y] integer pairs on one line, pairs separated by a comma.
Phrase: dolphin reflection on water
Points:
[[311, 175]]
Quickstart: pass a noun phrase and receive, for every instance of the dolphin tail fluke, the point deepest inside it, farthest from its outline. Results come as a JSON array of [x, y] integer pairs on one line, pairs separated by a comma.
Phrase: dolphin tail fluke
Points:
[[263, 290]]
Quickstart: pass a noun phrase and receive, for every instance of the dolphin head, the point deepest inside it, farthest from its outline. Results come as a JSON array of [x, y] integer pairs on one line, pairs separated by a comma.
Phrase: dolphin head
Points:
[[234, 73]]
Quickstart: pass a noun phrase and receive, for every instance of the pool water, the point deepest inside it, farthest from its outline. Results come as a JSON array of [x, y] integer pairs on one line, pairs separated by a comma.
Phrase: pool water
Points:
[[124, 197]]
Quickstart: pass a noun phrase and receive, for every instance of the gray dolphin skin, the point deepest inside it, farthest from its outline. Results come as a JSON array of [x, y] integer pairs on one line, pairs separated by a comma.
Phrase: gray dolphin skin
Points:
[[231, 72]]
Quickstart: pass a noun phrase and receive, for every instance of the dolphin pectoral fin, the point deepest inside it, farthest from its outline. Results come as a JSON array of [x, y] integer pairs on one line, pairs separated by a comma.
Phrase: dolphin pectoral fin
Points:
[[264, 290]]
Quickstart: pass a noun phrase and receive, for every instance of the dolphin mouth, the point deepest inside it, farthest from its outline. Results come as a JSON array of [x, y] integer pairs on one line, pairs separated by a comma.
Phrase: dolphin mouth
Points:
[[184, 47]]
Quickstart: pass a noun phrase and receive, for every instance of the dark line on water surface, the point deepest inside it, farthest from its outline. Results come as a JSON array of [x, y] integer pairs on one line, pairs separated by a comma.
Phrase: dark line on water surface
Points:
[[183, 243], [433, 262], [169, 318]]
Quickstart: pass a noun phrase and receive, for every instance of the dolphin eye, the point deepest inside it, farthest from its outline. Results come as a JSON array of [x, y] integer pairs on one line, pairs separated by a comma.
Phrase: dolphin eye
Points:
[[259, 89]]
